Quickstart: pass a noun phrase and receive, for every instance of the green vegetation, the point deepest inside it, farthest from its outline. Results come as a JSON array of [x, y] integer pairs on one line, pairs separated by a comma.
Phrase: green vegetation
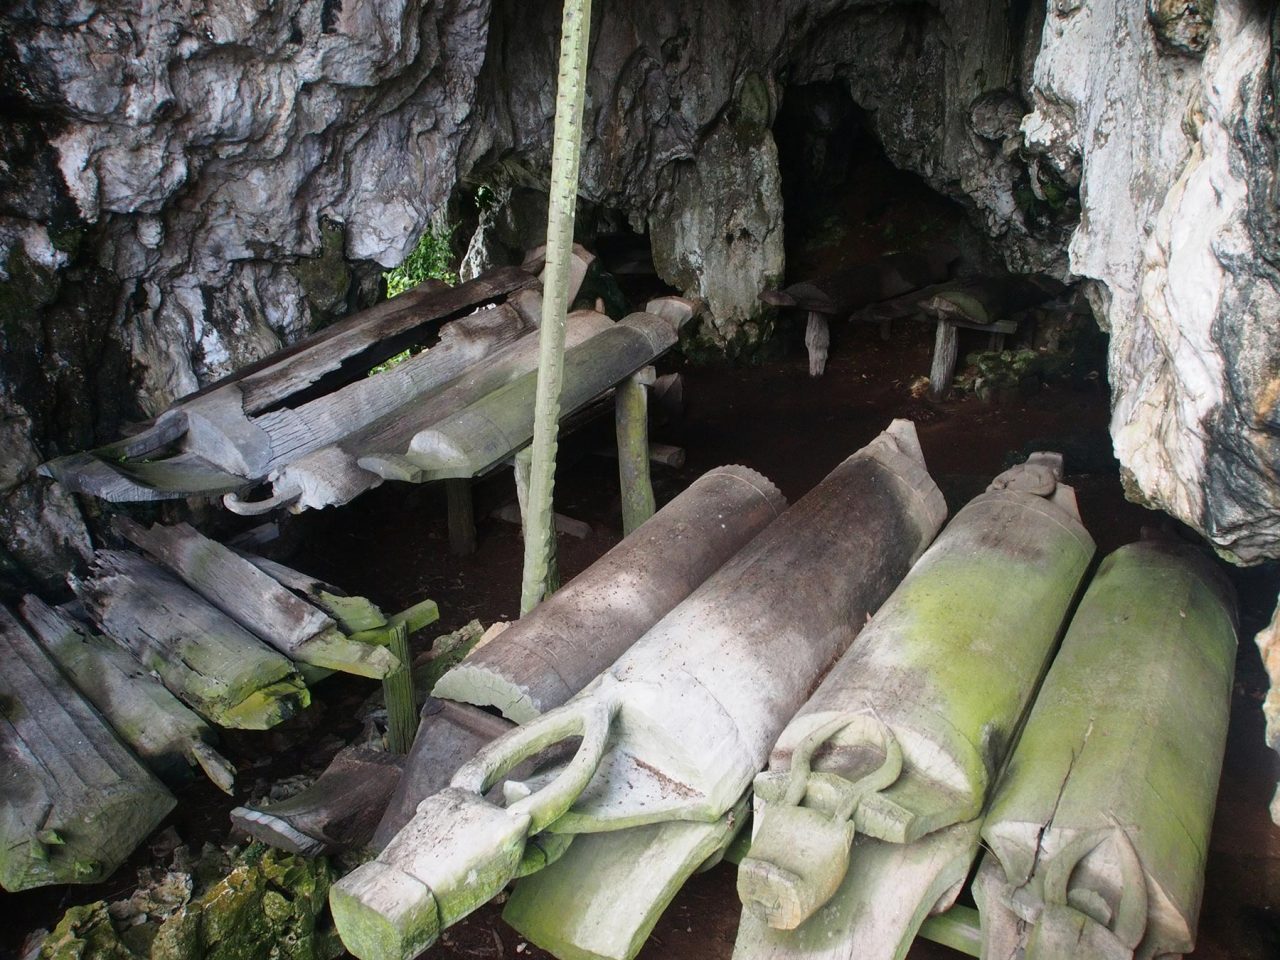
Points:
[[431, 259]]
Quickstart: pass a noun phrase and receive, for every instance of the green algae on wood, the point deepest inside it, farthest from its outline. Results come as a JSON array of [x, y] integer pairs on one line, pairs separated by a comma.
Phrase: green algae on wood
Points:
[[204, 657], [1100, 826], [74, 802], [167, 736]]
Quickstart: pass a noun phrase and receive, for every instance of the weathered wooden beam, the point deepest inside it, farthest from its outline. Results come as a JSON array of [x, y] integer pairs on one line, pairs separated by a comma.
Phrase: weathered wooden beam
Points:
[[488, 431], [165, 735], [946, 345], [397, 692], [204, 657], [842, 292], [256, 601], [817, 341], [74, 802], [631, 419], [462, 516], [510, 513]]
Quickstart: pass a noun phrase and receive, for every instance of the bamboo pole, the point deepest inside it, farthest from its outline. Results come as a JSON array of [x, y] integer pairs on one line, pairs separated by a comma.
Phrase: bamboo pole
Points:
[[565, 153]]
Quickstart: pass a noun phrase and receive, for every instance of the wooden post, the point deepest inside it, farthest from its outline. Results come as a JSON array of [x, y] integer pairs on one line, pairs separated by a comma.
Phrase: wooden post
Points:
[[945, 346], [397, 692], [521, 463], [539, 539], [462, 520], [817, 340], [631, 409]]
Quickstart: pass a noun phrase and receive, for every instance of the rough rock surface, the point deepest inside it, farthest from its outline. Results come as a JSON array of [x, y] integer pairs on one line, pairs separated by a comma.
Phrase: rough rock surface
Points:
[[184, 187], [1176, 160]]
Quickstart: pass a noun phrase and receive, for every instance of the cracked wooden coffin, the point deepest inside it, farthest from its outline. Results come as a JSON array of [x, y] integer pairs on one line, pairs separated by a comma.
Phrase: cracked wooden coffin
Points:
[[679, 725], [487, 431], [234, 433], [910, 728], [166, 736], [74, 802], [1099, 830], [210, 662]]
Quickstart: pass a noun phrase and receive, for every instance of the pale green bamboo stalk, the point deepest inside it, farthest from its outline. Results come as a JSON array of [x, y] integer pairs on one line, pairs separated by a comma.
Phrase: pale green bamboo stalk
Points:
[[565, 153]]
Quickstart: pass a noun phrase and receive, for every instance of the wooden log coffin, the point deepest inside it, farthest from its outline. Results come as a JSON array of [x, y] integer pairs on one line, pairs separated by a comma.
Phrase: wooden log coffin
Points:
[[909, 729], [1099, 830], [167, 736], [204, 657], [678, 726], [74, 802]]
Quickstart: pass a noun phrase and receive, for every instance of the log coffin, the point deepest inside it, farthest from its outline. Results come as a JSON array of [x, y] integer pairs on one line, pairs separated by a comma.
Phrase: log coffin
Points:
[[1099, 830], [74, 802], [909, 729], [678, 726]]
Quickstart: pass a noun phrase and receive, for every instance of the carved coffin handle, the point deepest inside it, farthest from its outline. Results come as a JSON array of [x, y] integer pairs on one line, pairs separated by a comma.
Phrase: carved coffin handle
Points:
[[1077, 918], [589, 718], [800, 854]]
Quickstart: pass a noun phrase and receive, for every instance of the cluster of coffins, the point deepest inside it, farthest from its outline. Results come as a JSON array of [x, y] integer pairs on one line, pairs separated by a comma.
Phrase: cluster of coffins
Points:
[[879, 700]]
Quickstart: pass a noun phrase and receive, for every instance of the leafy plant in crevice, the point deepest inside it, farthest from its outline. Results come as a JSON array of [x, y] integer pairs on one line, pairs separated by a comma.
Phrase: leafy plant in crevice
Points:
[[431, 259]]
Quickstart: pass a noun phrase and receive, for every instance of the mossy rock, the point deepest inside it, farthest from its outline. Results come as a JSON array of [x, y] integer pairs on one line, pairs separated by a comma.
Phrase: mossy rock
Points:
[[270, 906]]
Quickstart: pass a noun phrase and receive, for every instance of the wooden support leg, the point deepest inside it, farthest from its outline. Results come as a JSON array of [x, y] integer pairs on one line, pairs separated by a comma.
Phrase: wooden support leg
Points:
[[397, 692], [462, 520], [522, 463], [945, 347], [631, 406], [817, 340]]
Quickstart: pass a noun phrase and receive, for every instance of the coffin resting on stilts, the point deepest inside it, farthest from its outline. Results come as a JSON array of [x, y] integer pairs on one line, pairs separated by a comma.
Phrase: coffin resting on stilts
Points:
[[678, 726], [1099, 830]]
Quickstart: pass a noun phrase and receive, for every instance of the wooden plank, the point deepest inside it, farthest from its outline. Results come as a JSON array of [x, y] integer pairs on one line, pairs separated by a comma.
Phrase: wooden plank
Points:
[[398, 695], [204, 657], [74, 801], [336, 814], [165, 735], [462, 517], [305, 362], [327, 419], [255, 600]]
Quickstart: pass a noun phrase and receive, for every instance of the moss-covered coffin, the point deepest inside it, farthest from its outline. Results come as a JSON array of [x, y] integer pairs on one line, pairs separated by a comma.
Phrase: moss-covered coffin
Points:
[[487, 431], [1099, 829], [679, 725], [166, 736], [74, 802], [911, 726], [205, 658], [233, 433]]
